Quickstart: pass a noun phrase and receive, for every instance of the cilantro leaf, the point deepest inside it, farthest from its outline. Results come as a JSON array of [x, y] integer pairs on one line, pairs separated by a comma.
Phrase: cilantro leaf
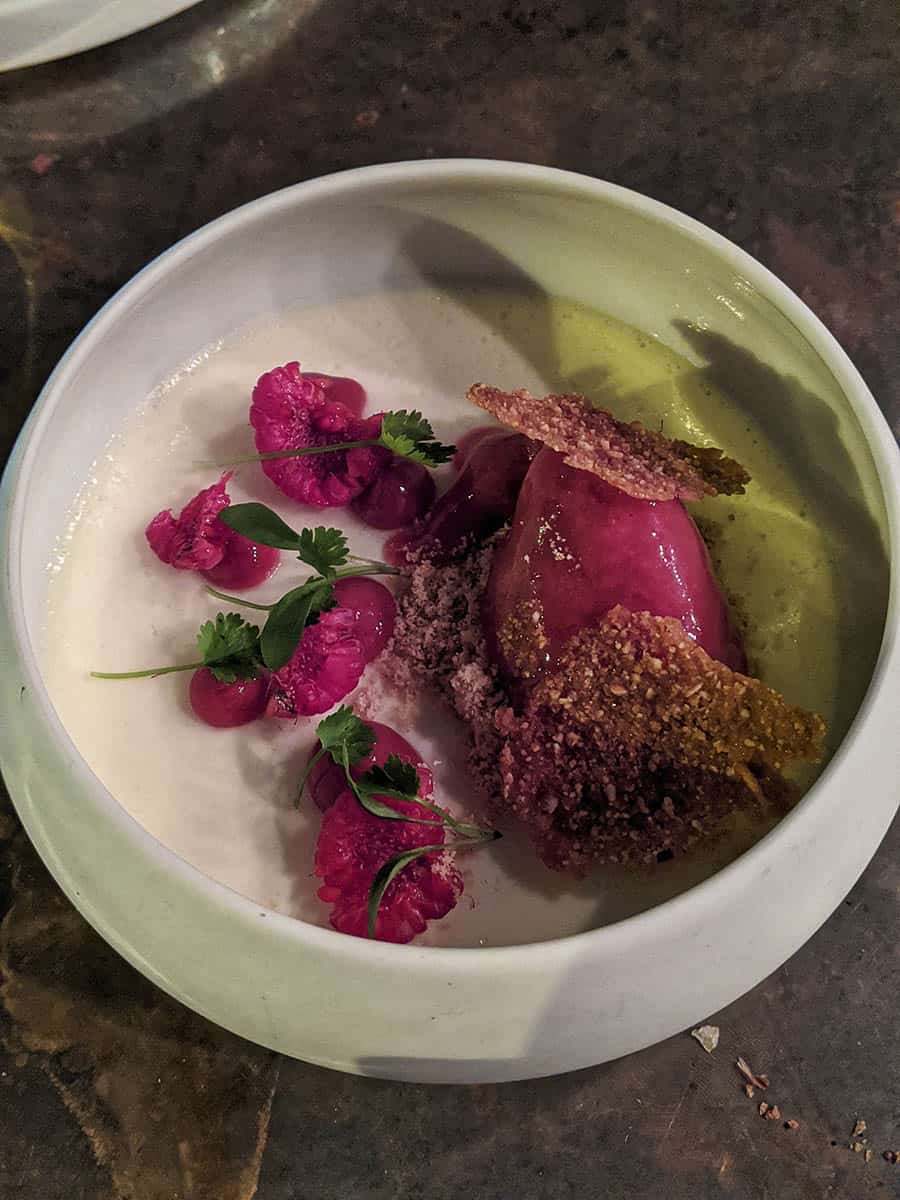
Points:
[[396, 778], [386, 875], [345, 737], [229, 646], [389, 870], [323, 549], [260, 524], [349, 740], [289, 618], [343, 729], [411, 436]]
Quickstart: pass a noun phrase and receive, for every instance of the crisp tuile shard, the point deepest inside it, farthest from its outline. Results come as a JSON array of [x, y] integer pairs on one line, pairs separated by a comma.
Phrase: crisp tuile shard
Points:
[[636, 460], [643, 678], [639, 743]]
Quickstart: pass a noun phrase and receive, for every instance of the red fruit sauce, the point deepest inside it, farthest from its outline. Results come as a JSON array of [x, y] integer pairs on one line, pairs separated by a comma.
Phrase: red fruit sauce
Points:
[[339, 389], [402, 492], [374, 608], [481, 500], [244, 564], [327, 781], [226, 705]]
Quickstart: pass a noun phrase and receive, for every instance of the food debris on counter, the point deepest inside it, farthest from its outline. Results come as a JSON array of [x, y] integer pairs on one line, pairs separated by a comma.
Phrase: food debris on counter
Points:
[[707, 1036], [755, 1081]]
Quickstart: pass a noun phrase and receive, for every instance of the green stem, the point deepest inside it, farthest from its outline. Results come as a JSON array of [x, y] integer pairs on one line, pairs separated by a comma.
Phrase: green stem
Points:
[[238, 600], [392, 868], [461, 827], [302, 452], [150, 672], [371, 568], [306, 774]]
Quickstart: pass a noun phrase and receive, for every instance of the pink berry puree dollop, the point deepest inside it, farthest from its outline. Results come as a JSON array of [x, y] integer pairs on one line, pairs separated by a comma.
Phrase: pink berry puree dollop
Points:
[[227, 705], [327, 780], [374, 609], [402, 492]]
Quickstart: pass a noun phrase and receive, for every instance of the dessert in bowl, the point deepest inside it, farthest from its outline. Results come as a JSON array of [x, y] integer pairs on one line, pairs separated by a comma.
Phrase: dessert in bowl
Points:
[[181, 840]]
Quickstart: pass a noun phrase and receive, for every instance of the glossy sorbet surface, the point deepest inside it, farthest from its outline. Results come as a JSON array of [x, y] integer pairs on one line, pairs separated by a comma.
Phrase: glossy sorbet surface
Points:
[[222, 798]]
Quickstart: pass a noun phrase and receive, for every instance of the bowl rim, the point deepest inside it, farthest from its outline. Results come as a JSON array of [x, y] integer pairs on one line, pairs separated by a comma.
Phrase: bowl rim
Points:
[[714, 891], [105, 23]]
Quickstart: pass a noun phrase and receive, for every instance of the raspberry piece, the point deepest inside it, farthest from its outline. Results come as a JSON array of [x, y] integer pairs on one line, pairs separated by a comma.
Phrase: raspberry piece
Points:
[[325, 666], [291, 409], [348, 392], [327, 779], [196, 541], [199, 541], [353, 845]]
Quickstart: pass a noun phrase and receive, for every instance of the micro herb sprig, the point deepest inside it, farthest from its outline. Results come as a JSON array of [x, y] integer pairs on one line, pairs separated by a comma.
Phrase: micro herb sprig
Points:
[[349, 741], [229, 646], [407, 434], [234, 649]]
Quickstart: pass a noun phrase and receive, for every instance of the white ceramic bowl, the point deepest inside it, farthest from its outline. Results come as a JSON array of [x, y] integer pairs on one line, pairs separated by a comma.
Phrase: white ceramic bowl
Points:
[[36, 31], [414, 1012]]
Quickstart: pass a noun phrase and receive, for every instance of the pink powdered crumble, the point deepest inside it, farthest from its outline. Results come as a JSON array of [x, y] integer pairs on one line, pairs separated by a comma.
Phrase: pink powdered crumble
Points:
[[291, 409], [196, 541], [353, 845], [326, 665]]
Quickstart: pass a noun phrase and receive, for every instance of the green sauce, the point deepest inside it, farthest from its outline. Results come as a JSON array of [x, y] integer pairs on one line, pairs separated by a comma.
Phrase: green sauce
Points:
[[806, 574]]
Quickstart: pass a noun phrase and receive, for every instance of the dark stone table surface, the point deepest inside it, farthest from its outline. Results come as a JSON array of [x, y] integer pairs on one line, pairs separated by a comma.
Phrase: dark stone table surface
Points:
[[776, 123]]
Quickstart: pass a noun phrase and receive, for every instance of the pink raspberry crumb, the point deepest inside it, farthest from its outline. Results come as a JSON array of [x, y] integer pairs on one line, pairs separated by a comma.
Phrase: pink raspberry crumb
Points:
[[353, 845], [292, 409], [326, 665]]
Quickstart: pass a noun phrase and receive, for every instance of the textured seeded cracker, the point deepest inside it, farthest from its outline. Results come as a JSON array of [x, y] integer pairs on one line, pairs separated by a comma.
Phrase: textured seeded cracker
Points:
[[628, 456], [639, 744], [644, 680]]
